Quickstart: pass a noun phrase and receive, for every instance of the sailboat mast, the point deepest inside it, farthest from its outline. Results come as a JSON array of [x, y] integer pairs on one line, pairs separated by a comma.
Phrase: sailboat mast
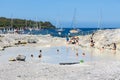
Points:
[[26, 23], [39, 25], [100, 19], [74, 19], [11, 23], [74, 30], [36, 23]]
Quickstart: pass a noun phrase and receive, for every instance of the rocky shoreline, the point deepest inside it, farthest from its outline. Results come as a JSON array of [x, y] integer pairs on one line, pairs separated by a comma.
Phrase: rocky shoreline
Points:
[[43, 71]]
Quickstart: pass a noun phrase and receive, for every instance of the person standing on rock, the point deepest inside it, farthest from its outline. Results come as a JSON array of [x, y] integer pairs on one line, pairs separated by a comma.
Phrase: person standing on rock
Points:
[[114, 46]]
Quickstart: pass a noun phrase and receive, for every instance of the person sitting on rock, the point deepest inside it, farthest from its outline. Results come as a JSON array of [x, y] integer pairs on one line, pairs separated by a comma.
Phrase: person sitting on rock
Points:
[[92, 42]]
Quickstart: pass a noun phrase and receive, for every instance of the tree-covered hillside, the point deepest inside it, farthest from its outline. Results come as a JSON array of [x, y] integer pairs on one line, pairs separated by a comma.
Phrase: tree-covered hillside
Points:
[[17, 23]]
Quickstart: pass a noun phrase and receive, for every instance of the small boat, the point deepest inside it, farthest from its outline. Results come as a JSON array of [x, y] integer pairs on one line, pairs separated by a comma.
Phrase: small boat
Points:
[[60, 30], [70, 63], [74, 31]]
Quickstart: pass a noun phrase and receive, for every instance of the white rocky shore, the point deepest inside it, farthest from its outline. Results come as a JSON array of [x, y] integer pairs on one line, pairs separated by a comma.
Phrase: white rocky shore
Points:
[[102, 38], [8, 40], [42, 71], [35, 70]]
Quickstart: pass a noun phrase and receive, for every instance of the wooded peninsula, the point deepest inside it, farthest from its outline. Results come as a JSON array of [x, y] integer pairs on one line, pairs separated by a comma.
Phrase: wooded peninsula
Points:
[[22, 23]]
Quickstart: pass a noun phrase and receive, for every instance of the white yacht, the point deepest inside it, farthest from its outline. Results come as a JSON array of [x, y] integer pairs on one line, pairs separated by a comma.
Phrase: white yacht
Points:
[[74, 31]]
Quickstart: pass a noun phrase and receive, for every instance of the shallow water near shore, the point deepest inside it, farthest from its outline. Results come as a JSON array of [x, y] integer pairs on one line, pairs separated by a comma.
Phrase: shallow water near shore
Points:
[[56, 55]]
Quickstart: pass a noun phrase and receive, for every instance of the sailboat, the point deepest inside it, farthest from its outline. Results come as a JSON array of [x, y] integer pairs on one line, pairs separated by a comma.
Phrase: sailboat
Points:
[[74, 30], [37, 25], [10, 28], [60, 29]]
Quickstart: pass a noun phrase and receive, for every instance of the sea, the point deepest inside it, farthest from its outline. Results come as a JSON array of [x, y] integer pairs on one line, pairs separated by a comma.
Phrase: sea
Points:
[[64, 32], [82, 28]]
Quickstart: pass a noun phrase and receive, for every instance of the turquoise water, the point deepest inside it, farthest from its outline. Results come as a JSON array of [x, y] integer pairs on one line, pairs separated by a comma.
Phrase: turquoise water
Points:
[[49, 55], [65, 54]]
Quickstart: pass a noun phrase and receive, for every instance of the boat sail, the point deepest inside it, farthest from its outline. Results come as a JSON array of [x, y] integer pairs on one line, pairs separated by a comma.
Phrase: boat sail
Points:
[[60, 29], [74, 30]]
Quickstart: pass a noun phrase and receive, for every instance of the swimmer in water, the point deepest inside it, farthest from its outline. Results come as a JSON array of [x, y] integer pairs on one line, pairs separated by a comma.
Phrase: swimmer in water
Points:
[[39, 56], [31, 55], [77, 54], [57, 50], [83, 54], [40, 51]]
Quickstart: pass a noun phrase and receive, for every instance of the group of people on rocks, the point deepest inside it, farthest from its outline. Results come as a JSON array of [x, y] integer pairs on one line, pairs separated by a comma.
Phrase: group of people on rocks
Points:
[[92, 43], [75, 40]]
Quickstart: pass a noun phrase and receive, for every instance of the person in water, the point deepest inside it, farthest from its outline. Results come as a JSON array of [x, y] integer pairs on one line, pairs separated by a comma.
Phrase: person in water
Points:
[[31, 55], [77, 54], [40, 56], [83, 54], [57, 50], [40, 51]]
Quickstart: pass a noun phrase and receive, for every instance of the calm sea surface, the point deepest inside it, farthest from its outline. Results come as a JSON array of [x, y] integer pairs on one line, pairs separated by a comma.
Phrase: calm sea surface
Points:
[[65, 31]]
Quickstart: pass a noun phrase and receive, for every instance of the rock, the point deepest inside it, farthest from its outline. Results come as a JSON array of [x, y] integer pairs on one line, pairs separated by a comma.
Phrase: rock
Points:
[[1, 48], [21, 58], [12, 59], [32, 41]]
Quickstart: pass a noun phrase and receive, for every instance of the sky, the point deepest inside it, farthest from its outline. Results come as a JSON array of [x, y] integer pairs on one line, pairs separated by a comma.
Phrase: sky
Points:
[[63, 11]]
